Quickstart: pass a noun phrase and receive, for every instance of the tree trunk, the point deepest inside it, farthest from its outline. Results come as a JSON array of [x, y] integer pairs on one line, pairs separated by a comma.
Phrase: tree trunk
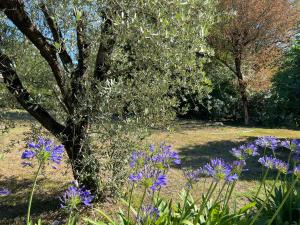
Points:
[[85, 167], [242, 88], [73, 135]]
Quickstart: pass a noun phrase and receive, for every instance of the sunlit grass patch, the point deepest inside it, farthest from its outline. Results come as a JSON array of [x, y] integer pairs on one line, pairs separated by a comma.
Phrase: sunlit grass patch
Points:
[[196, 144]]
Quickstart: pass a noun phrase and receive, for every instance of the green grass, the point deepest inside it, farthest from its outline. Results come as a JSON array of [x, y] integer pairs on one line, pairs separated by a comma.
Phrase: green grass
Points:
[[196, 144]]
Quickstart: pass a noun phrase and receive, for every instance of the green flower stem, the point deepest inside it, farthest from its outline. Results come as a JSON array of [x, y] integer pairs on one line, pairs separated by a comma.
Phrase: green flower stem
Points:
[[283, 201], [262, 182], [229, 195], [285, 180], [204, 185], [227, 192], [208, 196], [129, 201], [201, 197], [288, 162], [220, 192], [143, 197], [265, 202], [70, 217], [32, 191], [184, 205], [262, 167]]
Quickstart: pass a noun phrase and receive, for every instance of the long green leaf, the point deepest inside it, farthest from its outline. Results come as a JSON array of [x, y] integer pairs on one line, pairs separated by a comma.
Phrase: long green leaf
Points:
[[105, 216]]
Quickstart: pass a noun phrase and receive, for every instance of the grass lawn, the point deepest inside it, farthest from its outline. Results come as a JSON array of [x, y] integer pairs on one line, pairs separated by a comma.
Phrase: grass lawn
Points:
[[195, 142]]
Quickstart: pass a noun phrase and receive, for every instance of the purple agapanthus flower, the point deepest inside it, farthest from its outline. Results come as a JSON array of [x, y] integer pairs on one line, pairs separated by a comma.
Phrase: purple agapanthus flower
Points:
[[44, 150], [175, 158], [160, 182], [149, 213], [193, 176], [74, 196], [4, 192], [268, 142], [297, 171], [274, 163], [149, 167], [166, 156], [219, 170], [238, 166], [267, 161], [86, 196], [57, 153], [33, 145], [281, 166], [152, 147], [244, 151], [232, 177], [28, 154], [293, 145], [136, 157], [136, 177]]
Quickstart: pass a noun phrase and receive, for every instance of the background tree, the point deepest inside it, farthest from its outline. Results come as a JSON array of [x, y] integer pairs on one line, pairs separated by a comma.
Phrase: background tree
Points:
[[250, 35], [112, 66], [285, 90]]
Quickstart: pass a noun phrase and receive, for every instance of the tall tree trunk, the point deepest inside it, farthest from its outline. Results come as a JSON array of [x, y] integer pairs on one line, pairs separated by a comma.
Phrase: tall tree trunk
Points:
[[242, 88], [85, 167], [73, 135]]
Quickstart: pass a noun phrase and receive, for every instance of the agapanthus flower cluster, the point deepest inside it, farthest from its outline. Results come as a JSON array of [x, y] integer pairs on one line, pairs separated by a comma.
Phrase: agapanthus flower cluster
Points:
[[297, 171], [4, 192], [268, 142], [149, 213], [274, 163], [192, 176], [149, 176], [220, 170], [165, 156], [75, 196], [44, 151], [281, 166], [244, 151], [267, 161], [293, 145], [150, 167], [237, 166]]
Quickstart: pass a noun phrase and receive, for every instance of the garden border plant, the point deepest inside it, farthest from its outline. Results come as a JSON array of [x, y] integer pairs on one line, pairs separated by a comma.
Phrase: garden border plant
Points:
[[149, 174]]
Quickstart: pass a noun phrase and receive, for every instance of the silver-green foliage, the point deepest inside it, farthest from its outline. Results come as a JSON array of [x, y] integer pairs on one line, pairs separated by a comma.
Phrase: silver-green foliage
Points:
[[153, 58]]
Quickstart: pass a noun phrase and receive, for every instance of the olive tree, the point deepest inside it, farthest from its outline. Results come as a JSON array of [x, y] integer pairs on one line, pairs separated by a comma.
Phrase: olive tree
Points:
[[109, 67]]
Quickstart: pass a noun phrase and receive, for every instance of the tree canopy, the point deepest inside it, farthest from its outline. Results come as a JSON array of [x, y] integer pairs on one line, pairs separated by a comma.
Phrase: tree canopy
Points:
[[105, 66], [250, 36]]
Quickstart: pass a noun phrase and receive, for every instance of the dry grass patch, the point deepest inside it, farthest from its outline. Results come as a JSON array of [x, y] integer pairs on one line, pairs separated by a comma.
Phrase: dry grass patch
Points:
[[196, 144]]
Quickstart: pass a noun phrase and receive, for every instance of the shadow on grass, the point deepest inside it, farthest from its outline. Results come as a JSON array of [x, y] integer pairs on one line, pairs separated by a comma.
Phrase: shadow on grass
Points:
[[195, 124], [196, 156], [13, 208], [17, 116]]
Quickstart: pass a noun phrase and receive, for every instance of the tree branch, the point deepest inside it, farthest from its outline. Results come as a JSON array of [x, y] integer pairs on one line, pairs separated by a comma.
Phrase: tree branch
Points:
[[82, 46], [225, 64], [57, 36], [77, 84], [105, 49], [15, 86], [14, 10]]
